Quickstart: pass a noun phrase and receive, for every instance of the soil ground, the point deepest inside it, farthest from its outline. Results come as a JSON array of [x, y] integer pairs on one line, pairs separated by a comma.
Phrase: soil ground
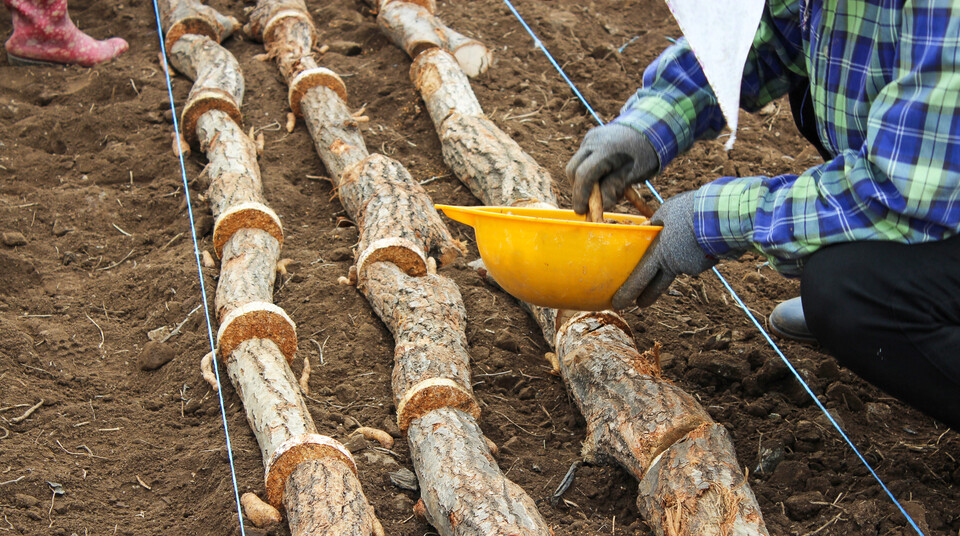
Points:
[[87, 176]]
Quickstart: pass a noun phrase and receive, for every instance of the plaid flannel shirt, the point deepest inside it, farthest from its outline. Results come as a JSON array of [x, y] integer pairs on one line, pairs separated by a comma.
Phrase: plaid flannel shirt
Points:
[[885, 84]]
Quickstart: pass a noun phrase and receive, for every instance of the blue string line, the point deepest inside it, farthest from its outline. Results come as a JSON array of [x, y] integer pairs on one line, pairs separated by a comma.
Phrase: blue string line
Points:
[[733, 293], [196, 254]]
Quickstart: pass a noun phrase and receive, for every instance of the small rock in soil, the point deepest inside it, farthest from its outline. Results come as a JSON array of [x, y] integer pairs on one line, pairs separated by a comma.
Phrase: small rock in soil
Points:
[[770, 458], [507, 341], [340, 254], [828, 370], [726, 366], [13, 239], [845, 395], [803, 505], [59, 229], [346, 394], [402, 503], [204, 225], [356, 443], [155, 354], [404, 478], [791, 474], [389, 425], [22, 500], [347, 48]]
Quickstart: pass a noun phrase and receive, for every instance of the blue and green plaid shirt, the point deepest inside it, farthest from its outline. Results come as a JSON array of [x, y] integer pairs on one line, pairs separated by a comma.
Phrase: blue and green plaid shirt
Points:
[[885, 84]]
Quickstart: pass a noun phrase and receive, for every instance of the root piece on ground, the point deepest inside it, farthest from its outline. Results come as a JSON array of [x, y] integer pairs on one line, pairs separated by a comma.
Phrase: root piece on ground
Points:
[[249, 215], [257, 320], [461, 485], [258, 512]]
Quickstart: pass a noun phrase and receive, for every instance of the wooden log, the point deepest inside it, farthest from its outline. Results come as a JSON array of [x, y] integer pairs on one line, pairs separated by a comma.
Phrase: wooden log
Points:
[[415, 29], [184, 17], [398, 229], [468, 493], [633, 415], [378, 192], [427, 319], [695, 487], [495, 168], [248, 270], [377, 5], [257, 339], [324, 498], [658, 432]]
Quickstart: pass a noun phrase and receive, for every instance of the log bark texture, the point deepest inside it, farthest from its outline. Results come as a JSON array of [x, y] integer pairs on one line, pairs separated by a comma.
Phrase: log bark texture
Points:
[[184, 17], [248, 270], [428, 321], [231, 163], [470, 495], [658, 432], [423, 310], [324, 498], [257, 367], [414, 28], [495, 168]]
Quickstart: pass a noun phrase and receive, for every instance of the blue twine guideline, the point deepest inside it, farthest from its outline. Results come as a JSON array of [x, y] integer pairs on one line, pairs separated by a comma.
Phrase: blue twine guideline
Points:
[[196, 254], [539, 44]]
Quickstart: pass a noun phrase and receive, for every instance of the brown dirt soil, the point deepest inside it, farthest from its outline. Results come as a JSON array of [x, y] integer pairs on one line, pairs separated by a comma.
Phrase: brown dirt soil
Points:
[[88, 177]]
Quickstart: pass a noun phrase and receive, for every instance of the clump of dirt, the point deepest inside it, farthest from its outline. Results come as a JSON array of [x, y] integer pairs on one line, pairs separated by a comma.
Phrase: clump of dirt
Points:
[[132, 436]]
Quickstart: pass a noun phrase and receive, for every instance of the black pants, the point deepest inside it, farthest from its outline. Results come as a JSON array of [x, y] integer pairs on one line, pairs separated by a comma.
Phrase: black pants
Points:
[[891, 313]]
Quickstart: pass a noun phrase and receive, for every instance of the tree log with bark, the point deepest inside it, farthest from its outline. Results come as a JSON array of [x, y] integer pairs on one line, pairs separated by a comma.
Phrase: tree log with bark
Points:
[[313, 476], [415, 28], [464, 491], [690, 480]]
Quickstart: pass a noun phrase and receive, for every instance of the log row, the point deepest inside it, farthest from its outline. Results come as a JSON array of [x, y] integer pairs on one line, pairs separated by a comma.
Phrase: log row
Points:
[[311, 476], [401, 239], [690, 481]]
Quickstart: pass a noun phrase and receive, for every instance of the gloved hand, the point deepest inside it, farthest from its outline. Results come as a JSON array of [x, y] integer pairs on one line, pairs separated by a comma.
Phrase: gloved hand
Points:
[[614, 155], [674, 251]]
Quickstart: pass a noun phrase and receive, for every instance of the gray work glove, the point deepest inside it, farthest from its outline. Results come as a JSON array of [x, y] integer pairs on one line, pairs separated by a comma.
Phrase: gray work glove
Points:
[[614, 155], [674, 251]]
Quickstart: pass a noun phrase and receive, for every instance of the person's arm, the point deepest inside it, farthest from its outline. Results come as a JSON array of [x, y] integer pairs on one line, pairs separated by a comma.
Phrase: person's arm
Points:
[[902, 185], [676, 105]]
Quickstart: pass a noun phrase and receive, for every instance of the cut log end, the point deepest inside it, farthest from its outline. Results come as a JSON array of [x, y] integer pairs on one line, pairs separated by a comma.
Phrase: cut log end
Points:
[[257, 320], [202, 102], [196, 25], [401, 252], [567, 319], [310, 79], [296, 451], [245, 216], [431, 394]]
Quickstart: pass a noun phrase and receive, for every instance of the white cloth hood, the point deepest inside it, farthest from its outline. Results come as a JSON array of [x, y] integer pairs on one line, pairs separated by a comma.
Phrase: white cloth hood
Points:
[[721, 32]]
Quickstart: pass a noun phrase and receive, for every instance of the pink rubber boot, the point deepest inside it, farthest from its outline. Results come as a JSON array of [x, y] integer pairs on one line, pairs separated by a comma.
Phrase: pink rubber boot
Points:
[[44, 33]]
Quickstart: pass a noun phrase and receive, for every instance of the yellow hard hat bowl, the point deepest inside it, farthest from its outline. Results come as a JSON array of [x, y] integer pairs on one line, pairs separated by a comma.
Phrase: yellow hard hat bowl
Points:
[[553, 258]]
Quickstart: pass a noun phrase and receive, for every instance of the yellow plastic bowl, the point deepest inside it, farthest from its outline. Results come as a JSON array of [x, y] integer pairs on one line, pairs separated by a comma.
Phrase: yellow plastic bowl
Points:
[[553, 258]]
